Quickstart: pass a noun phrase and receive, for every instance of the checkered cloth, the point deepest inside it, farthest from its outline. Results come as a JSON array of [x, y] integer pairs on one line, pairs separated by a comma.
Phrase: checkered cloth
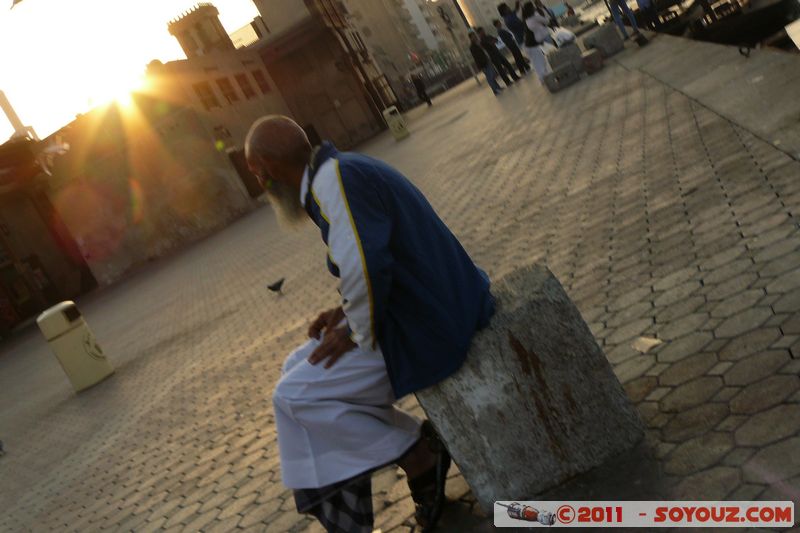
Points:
[[344, 507]]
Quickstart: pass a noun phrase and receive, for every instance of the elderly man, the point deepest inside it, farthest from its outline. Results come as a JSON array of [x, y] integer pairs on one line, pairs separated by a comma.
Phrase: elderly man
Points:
[[411, 302]]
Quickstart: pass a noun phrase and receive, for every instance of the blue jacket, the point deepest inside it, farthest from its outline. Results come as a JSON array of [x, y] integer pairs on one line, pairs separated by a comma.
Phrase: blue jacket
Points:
[[407, 285], [515, 24]]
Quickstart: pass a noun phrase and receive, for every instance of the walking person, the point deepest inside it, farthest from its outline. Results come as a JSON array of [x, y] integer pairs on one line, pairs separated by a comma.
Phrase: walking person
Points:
[[483, 64], [499, 61], [537, 38], [419, 85], [617, 7], [508, 39], [411, 301]]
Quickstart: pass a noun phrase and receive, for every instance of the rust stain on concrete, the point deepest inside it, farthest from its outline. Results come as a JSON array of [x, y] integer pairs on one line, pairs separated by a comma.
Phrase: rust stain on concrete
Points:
[[545, 407], [522, 353]]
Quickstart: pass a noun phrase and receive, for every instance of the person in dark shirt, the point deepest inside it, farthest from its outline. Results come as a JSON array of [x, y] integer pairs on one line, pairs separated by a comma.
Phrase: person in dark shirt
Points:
[[483, 63], [512, 21], [499, 61], [508, 39], [419, 85]]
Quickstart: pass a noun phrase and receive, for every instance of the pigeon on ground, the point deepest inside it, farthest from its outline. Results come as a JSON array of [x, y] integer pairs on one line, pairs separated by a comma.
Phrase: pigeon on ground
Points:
[[276, 287]]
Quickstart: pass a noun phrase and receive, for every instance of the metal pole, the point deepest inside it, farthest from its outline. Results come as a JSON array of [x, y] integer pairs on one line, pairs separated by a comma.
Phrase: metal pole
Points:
[[20, 130]]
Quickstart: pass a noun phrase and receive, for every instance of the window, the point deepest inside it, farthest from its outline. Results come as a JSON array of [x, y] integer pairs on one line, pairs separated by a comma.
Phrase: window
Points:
[[261, 81], [206, 94], [227, 89], [244, 84]]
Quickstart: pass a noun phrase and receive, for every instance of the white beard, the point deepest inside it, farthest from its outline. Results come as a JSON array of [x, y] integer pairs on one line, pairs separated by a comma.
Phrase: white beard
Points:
[[285, 200]]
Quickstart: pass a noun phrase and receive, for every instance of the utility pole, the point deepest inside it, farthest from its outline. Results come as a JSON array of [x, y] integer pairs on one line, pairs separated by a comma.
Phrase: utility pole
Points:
[[20, 130]]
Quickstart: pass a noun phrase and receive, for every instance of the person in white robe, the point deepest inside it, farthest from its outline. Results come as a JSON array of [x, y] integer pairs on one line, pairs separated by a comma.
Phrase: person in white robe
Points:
[[538, 40], [333, 403]]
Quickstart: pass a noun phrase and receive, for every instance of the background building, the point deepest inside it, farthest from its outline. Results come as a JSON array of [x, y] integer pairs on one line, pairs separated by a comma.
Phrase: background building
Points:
[[407, 36], [228, 87], [169, 168], [144, 179], [323, 69], [249, 33], [39, 260], [448, 26], [392, 37], [418, 19]]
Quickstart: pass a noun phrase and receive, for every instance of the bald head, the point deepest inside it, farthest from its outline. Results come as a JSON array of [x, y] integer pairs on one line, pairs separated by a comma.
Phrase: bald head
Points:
[[276, 138], [277, 151]]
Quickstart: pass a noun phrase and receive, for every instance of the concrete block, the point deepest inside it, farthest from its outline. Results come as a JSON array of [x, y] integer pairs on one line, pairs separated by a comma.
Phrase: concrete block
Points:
[[536, 401], [605, 38], [567, 54], [570, 20], [592, 61], [561, 77]]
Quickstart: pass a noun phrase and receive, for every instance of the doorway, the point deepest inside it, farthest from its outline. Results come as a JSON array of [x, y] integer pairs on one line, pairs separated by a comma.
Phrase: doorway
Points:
[[250, 181]]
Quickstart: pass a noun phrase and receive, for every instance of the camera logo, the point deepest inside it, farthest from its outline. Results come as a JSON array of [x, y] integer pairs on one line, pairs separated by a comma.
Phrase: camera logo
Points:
[[526, 513]]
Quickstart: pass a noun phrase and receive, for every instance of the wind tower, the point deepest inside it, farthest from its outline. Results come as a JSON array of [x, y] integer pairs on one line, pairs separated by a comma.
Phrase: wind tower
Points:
[[200, 32]]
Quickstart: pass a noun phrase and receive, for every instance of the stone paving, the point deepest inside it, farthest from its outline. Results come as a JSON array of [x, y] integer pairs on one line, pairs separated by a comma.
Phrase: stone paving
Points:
[[661, 219]]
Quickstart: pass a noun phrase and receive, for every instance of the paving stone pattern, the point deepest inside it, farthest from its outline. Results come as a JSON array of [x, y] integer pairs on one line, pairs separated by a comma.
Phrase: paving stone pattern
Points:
[[659, 217]]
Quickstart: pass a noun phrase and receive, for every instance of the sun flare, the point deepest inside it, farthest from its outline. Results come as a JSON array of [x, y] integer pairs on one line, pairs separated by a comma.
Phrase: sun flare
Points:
[[124, 100], [116, 90], [62, 59]]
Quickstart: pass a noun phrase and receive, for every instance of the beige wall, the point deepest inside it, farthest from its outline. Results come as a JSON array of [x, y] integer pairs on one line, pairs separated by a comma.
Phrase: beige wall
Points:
[[175, 82], [481, 12]]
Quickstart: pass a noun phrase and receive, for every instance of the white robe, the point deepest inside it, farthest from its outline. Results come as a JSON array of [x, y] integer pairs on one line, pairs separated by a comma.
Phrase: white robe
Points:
[[339, 422], [539, 60], [538, 54], [538, 25]]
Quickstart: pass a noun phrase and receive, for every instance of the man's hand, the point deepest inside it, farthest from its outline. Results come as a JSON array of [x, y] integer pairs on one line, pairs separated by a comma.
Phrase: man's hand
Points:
[[326, 320], [336, 343]]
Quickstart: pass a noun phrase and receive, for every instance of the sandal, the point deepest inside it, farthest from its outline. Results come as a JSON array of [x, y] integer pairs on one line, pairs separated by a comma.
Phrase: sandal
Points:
[[427, 489]]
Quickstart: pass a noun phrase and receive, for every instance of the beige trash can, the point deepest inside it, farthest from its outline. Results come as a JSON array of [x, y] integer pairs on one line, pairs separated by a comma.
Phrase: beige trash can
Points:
[[74, 345], [396, 122]]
